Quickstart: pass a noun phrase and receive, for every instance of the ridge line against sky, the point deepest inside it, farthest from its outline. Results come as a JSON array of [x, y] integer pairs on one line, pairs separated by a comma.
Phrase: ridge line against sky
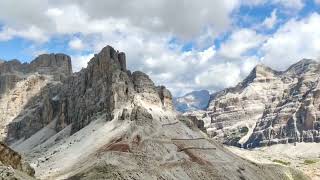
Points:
[[185, 45]]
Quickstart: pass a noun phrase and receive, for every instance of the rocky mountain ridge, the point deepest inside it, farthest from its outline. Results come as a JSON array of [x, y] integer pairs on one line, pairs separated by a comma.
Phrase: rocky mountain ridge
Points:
[[268, 107], [105, 122], [21, 82]]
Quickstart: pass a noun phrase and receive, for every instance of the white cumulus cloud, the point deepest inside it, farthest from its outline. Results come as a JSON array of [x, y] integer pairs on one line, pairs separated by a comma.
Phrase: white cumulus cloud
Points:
[[153, 34], [270, 21], [76, 44], [240, 42], [295, 40]]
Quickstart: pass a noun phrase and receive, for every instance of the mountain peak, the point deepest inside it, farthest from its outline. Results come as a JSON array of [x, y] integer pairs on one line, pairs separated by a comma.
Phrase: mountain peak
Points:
[[306, 61], [108, 53], [303, 66], [52, 64], [258, 72], [104, 86], [195, 100], [10, 66], [261, 69]]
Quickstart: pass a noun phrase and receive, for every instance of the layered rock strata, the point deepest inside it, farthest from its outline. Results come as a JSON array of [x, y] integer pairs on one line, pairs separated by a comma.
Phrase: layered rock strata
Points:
[[268, 107]]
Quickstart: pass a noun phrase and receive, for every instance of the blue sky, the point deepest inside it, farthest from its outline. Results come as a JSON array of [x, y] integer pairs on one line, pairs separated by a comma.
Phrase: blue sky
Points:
[[185, 45]]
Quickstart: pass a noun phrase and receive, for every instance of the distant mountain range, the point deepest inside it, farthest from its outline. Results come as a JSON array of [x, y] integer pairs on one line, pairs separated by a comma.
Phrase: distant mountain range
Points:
[[195, 100]]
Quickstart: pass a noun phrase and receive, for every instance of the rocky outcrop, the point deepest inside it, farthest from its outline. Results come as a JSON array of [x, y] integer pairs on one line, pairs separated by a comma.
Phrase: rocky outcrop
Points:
[[268, 107], [193, 122], [12, 72], [20, 83], [295, 118], [56, 65], [102, 87], [44, 64], [193, 101], [165, 97], [11, 159]]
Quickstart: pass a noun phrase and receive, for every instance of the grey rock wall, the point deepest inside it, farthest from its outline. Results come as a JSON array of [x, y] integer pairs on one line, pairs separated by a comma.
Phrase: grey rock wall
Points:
[[102, 87]]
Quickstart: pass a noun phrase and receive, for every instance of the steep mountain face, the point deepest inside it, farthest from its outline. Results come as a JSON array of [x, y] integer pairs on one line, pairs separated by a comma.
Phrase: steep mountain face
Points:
[[105, 85], [268, 107], [21, 82], [195, 100], [105, 122]]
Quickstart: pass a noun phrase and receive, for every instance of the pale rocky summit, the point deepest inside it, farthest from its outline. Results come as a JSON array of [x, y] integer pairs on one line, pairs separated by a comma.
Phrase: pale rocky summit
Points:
[[268, 107], [105, 122]]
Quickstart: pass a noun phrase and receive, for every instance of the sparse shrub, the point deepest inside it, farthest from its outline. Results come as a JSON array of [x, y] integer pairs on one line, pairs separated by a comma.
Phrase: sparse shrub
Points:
[[244, 130], [310, 161], [281, 162]]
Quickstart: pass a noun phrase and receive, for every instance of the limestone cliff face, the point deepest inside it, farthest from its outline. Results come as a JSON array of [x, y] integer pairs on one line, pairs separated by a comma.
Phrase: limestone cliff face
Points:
[[58, 65], [19, 83], [268, 107], [294, 116], [102, 87]]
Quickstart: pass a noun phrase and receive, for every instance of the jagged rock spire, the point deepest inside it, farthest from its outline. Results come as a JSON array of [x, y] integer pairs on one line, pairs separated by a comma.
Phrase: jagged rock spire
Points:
[[103, 86]]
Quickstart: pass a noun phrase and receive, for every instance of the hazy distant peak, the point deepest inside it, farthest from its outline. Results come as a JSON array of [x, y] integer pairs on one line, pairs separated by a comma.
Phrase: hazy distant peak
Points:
[[195, 100]]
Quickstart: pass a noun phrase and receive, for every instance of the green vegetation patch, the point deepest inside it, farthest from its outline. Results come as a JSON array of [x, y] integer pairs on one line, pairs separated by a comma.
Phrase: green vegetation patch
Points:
[[244, 130], [281, 162], [310, 161]]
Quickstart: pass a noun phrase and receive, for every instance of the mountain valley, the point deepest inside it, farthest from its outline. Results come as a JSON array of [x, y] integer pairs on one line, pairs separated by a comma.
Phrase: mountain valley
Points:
[[106, 122]]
